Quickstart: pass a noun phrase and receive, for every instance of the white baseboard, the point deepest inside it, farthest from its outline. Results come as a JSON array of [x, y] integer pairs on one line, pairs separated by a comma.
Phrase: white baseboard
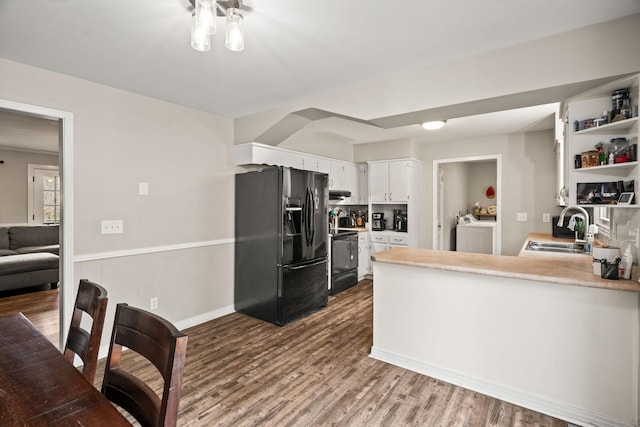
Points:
[[183, 324], [522, 398]]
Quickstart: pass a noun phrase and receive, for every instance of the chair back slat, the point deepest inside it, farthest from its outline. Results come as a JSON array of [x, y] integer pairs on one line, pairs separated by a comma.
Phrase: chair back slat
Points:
[[91, 300], [162, 344]]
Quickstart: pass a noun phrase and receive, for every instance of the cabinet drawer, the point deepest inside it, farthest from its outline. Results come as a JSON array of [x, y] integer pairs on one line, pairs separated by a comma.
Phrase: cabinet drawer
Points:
[[399, 240], [363, 237], [377, 238]]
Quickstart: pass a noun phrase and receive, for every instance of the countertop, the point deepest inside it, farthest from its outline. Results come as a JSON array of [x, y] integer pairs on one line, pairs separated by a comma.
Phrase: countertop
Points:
[[358, 229], [566, 269]]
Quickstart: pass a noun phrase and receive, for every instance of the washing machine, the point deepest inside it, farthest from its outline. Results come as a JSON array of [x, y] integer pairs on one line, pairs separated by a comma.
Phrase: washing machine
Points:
[[476, 236]]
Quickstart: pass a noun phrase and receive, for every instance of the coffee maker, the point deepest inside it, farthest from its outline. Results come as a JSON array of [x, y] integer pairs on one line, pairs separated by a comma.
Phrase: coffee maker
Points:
[[377, 221], [399, 220]]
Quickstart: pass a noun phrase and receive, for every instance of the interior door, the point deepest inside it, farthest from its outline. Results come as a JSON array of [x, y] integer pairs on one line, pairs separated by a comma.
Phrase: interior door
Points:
[[440, 210], [43, 195]]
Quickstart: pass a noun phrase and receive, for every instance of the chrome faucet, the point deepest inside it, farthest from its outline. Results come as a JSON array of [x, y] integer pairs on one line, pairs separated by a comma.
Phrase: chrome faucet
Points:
[[580, 209]]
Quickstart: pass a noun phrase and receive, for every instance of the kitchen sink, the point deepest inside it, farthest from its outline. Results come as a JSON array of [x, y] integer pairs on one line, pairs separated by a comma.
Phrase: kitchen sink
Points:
[[567, 248]]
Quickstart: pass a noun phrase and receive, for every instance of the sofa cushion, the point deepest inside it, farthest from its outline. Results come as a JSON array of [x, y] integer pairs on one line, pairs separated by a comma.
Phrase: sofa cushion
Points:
[[54, 249], [28, 262], [5, 252], [4, 238], [37, 235]]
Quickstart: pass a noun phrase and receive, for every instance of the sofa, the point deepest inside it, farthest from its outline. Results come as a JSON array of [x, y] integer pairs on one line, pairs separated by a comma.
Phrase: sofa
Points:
[[29, 256]]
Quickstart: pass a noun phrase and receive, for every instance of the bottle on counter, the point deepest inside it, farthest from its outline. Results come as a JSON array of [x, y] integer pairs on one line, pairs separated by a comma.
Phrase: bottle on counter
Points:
[[624, 269]]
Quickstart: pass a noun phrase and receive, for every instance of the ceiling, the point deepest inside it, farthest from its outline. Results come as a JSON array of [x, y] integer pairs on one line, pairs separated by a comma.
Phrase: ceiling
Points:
[[294, 49]]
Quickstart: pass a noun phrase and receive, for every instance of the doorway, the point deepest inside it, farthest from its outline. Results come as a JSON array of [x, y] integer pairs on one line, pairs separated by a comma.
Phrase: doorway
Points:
[[65, 164], [457, 184]]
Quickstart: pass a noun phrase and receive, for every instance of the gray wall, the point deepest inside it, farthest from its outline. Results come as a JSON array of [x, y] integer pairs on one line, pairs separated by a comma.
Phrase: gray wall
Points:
[[178, 241], [13, 183], [455, 199], [528, 176]]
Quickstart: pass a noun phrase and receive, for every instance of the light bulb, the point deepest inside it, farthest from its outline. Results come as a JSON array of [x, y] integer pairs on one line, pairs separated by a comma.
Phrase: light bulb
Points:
[[200, 39], [434, 125], [235, 30], [206, 15]]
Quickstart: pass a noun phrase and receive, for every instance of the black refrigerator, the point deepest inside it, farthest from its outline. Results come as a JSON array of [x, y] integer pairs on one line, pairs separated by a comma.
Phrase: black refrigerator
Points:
[[281, 228]]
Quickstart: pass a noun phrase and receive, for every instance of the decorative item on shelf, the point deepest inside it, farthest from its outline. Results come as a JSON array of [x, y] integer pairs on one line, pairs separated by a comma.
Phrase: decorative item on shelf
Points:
[[491, 193], [590, 158], [620, 149], [492, 209], [476, 208], [602, 157], [620, 102]]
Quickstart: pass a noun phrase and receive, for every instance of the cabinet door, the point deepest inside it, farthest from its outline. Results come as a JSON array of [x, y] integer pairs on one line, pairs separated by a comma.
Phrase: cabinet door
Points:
[[350, 181], [364, 260], [363, 184], [364, 255], [378, 247], [398, 181], [337, 176], [378, 181]]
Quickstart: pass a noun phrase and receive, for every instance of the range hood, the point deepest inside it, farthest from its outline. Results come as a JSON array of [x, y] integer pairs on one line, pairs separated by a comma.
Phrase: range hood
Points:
[[339, 194]]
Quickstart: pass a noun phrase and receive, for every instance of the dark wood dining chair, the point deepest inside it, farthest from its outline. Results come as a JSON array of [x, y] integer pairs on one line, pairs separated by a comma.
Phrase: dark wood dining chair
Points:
[[91, 300], [160, 343]]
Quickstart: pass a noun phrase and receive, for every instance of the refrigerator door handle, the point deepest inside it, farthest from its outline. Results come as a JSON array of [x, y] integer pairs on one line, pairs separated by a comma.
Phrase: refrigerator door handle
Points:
[[312, 216], [300, 267], [308, 210]]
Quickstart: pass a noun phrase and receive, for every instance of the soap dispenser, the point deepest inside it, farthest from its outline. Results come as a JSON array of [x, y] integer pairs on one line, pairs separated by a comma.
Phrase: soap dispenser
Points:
[[626, 264]]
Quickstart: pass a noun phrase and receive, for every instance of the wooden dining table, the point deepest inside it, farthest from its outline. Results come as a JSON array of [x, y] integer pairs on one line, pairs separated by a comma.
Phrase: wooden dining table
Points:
[[39, 387]]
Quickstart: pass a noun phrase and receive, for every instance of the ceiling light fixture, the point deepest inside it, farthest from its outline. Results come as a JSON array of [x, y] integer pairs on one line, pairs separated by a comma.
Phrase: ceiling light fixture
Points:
[[203, 24], [434, 125]]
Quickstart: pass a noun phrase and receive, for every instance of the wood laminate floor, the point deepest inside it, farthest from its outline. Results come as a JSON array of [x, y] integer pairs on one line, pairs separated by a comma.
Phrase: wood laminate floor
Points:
[[316, 371], [39, 306]]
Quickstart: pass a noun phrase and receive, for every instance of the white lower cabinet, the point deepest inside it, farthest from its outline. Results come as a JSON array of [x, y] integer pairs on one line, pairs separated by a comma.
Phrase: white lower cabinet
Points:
[[383, 240], [364, 255]]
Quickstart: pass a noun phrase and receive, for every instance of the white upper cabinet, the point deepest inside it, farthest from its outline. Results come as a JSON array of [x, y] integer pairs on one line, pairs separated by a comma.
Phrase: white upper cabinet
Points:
[[378, 181], [391, 181], [363, 183], [342, 175], [337, 176]]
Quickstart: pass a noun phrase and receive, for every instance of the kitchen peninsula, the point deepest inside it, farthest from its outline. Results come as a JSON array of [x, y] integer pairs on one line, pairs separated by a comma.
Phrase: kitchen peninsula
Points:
[[538, 330]]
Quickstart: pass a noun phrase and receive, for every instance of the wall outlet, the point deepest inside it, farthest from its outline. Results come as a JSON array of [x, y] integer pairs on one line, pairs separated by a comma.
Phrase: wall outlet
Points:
[[546, 217], [153, 303], [114, 226], [522, 216]]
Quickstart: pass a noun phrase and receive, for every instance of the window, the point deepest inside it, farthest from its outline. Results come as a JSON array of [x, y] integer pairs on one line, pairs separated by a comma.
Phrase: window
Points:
[[601, 217], [43, 195]]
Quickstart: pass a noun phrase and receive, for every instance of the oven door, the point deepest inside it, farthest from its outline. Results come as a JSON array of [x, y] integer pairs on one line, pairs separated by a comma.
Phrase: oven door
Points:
[[344, 254]]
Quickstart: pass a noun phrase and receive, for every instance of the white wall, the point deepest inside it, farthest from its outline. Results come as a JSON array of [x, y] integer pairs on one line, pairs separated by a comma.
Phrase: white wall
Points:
[[455, 198], [13, 183], [576, 56], [177, 241]]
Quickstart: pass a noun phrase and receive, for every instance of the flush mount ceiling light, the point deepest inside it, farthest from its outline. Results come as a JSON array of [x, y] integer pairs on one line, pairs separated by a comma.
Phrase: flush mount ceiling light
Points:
[[434, 125], [203, 23]]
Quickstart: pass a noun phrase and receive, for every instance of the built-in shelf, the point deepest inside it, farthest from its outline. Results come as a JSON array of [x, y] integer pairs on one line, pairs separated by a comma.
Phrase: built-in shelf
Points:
[[610, 128], [486, 216], [622, 168]]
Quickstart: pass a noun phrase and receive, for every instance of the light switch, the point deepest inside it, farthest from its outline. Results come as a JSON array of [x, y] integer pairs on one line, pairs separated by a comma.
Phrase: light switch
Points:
[[143, 188], [522, 216]]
